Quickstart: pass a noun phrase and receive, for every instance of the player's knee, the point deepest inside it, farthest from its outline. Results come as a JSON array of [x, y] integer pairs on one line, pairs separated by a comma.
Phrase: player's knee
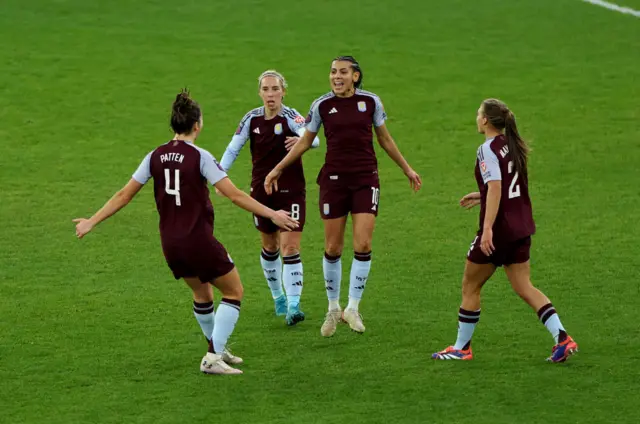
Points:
[[525, 291], [333, 249], [362, 245], [470, 289], [201, 296], [235, 292], [290, 249], [270, 245]]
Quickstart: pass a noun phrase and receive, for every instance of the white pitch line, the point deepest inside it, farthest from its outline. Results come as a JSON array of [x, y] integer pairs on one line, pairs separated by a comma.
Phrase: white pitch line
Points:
[[615, 7]]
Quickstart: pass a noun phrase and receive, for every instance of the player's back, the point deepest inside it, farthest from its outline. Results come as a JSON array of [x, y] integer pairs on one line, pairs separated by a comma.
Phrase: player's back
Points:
[[181, 192], [515, 215]]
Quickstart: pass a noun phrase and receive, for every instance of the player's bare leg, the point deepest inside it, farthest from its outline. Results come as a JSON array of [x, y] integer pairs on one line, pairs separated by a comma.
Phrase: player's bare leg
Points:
[[272, 268], [214, 362], [292, 274], [519, 276], [474, 278], [332, 268], [363, 226]]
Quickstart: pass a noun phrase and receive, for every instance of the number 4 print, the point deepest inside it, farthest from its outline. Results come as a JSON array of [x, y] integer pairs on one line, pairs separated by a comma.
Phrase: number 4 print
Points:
[[167, 185]]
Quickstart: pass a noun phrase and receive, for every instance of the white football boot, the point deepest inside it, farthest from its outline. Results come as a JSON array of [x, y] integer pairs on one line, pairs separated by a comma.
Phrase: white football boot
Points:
[[230, 358], [213, 364], [354, 319], [330, 323]]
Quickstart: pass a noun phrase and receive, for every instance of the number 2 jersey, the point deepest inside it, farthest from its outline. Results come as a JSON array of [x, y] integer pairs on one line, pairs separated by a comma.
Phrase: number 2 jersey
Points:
[[514, 220], [180, 172]]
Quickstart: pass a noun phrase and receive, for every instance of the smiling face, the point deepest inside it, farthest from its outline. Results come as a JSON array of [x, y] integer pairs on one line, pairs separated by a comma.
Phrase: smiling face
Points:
[[272, 92], [343, 77]]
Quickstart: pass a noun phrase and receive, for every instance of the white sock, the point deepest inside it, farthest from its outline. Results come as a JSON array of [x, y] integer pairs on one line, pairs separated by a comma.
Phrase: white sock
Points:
[[467, 321], [272, 268], [205, 314], [225, 321], [332, 268], [360, 268], [292, 278], [549, 317]]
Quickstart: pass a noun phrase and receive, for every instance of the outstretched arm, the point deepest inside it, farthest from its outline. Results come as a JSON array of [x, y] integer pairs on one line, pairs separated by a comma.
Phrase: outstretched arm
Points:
[[271, 181], [113, 205], [246, 202], [389, 146]]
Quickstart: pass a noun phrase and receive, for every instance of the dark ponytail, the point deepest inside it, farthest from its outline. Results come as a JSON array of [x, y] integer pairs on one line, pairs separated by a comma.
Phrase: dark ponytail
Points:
[[355, 66], [517, 146], [185, 113], [501, 118]]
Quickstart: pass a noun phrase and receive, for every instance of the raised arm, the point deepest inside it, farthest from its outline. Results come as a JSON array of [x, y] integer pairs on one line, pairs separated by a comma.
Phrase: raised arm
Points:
[[246, 202], [216, 176], [389, 145]]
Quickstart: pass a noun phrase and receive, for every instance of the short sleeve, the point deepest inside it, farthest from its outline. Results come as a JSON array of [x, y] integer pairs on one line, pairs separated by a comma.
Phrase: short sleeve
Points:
[[314, 121], [379, 115], [296, 122], [489, 164], [210, 168], [143, 173]]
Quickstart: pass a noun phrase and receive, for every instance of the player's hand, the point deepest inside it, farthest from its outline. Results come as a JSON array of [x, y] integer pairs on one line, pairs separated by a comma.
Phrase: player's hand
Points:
[[289, 142], [414, 179], [283, 220], [271, 181], [83, 226], [219, 193], [470, 200], [486, 242]]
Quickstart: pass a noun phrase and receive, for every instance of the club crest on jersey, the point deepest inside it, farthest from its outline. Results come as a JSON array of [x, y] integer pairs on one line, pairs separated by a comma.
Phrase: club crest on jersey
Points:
[[278, 129], [362, 106], [483, 166]]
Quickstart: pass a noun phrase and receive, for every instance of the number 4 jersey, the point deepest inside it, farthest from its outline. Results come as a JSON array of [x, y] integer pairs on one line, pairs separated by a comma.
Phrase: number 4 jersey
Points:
[[180, 172], [515, 217]]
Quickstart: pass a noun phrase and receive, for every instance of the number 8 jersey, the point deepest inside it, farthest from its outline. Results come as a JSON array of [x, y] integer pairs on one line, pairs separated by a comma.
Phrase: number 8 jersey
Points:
[[180, 171], [515, 216]]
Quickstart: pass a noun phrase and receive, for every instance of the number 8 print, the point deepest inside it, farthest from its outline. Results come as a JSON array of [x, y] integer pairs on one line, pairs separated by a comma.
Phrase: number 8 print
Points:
[[295, 211]]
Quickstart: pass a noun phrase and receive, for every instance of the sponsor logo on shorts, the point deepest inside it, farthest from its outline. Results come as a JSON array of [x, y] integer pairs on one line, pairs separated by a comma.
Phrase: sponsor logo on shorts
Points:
[[362, 106], [278, 129], [333, 177], [255, 220], [326, 209]]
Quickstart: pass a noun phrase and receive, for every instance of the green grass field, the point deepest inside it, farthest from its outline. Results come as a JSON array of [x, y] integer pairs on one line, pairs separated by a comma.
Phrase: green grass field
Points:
[[98, 331]]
